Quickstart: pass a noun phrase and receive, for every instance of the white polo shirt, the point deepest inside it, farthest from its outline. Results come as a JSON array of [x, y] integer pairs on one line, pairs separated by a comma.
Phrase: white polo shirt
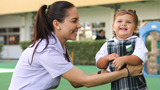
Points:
[[140, 50], [45, 71]]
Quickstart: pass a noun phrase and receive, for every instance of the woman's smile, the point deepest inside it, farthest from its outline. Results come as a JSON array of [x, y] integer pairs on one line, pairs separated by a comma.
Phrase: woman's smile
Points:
[[74, 32]]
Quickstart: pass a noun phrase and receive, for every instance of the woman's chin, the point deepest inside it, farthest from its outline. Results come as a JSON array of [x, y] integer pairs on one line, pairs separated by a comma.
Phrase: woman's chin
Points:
[[73, 38]]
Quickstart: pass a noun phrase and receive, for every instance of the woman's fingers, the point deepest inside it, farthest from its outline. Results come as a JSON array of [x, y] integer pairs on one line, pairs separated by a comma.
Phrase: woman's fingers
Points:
[[142, 67]]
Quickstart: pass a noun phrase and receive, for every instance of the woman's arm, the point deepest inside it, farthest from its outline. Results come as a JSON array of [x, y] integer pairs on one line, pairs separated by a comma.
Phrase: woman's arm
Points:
[[76, 85], [79, 78]]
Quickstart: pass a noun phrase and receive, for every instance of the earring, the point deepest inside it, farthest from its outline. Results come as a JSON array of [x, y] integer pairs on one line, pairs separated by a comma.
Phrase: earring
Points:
[[58, 28]]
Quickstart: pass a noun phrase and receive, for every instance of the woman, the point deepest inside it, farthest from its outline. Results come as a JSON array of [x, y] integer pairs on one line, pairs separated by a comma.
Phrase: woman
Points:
[[41, 65]]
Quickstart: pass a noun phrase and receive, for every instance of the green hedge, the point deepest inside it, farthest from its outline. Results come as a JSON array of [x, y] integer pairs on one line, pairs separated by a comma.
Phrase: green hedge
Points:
[[84, 51], [24, 44], [148, 45], [1, 48]]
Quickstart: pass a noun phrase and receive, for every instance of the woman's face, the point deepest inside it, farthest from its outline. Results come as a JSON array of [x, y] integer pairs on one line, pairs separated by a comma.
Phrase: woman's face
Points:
[[69, 27]]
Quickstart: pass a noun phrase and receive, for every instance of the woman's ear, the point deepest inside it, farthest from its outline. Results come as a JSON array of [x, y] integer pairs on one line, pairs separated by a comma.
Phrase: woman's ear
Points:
[[56, 24]]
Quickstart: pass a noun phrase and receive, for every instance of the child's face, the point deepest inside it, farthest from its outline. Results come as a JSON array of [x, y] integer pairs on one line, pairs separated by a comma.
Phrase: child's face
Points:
[[124, 26]]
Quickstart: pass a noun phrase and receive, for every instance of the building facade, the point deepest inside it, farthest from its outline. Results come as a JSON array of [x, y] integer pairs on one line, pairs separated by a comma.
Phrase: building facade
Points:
[[19, 26]]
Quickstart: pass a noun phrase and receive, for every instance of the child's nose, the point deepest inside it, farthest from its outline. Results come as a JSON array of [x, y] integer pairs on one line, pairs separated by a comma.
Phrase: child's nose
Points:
[[123, 24]]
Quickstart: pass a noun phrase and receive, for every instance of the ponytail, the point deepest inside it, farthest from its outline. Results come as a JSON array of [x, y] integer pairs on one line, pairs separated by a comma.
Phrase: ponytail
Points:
[[41, 29]]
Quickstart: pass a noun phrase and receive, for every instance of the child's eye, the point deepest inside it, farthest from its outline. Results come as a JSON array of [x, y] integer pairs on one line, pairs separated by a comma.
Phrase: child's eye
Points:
[[128, 22], [119, 21]]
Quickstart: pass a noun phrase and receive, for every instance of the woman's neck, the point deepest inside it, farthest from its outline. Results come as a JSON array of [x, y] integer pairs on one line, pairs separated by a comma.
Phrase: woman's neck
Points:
[[61, 40]]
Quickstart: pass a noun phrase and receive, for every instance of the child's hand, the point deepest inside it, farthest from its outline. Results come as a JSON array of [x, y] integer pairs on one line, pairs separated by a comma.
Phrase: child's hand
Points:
[[118, 63], [112, 56]]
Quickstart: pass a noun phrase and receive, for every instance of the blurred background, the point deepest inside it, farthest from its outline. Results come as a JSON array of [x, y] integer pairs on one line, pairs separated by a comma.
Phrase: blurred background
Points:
[[17, 19]]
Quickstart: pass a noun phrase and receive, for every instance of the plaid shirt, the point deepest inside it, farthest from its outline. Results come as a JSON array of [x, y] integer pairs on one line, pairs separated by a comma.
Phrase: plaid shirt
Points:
[[122, 48]]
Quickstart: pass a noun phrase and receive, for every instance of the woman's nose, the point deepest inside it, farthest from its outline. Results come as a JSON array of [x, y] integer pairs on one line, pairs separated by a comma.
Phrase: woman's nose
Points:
[[79, 25]]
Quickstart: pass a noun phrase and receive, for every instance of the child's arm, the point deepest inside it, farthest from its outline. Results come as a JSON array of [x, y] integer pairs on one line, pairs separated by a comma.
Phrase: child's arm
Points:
[[131, 60], [102, 63]]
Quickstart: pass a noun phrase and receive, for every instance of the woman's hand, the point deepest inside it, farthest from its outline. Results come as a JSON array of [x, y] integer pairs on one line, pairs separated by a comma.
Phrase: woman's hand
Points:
[[135, 70]]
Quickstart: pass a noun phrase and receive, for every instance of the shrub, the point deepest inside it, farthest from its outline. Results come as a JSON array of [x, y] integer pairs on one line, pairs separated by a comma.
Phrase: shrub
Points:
[[148, 45], [1, 48], [84, 51], [24, 44]]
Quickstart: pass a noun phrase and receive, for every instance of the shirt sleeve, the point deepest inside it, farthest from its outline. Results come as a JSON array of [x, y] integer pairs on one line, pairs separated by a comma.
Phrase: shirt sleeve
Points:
[[102, 52], [54, 62], [141, 50]]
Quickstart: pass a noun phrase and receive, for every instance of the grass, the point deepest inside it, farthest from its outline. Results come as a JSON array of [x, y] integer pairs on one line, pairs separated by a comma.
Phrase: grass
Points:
[[5, 78]]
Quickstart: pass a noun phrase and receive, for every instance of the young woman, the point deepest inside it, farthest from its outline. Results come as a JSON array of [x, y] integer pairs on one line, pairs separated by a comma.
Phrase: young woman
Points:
[[46, 60]]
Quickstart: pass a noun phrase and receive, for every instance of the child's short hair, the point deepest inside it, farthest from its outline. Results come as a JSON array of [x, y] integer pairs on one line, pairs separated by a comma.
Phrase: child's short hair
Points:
[[131, 12], [127, 11]]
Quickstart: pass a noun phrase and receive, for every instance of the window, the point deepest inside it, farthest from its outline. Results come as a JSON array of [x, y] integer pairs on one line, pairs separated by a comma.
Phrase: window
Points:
[[9, 36], [89, 30], [150, 20], [98, 24]]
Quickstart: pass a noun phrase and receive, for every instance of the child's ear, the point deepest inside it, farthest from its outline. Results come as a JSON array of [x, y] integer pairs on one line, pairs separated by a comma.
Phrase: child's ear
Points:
[[136, 28]]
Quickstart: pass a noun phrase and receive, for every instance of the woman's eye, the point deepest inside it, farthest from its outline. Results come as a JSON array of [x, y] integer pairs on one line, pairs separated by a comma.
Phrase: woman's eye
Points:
[[74, 21]]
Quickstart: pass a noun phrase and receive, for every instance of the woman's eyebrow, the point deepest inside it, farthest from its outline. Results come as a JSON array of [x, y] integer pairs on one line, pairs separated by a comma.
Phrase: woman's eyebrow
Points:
[[75, 18]]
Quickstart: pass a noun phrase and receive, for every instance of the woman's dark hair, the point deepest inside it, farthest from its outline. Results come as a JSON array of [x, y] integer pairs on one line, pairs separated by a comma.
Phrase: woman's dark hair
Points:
[[44, 22]]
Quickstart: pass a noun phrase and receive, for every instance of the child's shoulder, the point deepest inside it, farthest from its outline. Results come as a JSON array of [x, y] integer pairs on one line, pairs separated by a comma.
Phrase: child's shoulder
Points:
[[111, 40], [133, 38]]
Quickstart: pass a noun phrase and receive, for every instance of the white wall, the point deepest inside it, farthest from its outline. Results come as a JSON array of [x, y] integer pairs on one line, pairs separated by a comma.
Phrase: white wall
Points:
[[28, 26], [11, 52], [10, 21], [24, 22], [146, 10]]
